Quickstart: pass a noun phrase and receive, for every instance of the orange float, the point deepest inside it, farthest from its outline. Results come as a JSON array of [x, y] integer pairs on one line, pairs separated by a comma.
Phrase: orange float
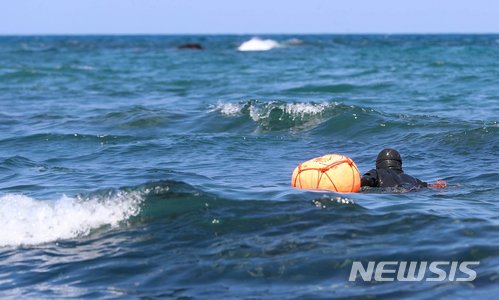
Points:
[[331, 172]]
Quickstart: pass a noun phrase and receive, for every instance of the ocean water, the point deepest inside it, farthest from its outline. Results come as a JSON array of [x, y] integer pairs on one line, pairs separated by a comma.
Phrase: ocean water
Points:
[[133, 169]]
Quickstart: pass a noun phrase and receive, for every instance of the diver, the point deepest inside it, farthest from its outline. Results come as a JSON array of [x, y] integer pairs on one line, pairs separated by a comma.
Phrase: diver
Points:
[[389, 173]]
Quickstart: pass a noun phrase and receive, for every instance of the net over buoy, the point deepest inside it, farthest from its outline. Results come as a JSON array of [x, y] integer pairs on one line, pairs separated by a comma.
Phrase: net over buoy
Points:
[[332, 172]]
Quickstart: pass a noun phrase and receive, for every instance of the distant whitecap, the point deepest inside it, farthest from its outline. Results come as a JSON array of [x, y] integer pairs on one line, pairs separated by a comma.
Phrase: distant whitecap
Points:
[[257, 44]]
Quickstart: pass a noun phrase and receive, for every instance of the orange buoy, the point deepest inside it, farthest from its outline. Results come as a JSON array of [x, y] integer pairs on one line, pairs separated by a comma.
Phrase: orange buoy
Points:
[[332, 172]]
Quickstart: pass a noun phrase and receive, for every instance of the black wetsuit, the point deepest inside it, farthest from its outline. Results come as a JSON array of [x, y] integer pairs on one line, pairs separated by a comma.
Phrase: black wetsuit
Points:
[[389, 177]]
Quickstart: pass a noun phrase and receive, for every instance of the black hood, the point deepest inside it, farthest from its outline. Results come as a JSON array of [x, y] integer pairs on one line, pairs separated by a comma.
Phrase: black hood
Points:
[[389, 159]]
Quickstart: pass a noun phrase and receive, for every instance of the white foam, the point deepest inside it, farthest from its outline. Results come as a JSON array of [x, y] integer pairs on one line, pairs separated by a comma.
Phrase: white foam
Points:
[[295, 110], [254, 113], [27, 221], [235, 109], [259, 111], [306, 108], [257, 44], [228, 109]]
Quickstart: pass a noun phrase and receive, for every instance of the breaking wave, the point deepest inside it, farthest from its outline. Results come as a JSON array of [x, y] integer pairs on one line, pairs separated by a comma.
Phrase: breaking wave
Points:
[[279, 115], [28, 221], [257, 44]]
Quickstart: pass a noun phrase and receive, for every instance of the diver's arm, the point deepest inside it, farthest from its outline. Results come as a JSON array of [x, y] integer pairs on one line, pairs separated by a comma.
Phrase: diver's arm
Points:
[[421, 183], [370, 179]]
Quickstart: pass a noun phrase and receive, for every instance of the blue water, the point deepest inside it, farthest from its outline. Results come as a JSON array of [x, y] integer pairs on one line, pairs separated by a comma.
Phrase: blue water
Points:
[[131, 168]]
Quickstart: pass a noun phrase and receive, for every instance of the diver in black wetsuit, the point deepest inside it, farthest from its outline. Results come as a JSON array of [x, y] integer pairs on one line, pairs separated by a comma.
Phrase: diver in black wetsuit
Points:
[[388, 173]]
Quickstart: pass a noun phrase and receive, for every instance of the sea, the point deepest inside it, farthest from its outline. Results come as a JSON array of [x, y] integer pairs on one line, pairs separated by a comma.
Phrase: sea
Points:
[[133, 168]]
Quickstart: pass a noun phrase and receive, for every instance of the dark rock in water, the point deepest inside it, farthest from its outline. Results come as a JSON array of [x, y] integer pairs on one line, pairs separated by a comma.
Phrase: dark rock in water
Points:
[[190, 46]]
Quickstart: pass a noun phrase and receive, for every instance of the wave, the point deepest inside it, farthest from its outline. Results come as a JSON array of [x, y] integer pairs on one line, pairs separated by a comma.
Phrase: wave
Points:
[[326, 118], [28, 221], [257, 44], [321, 117], [471, 139], [279, 115], [137, 117], [18, 161]]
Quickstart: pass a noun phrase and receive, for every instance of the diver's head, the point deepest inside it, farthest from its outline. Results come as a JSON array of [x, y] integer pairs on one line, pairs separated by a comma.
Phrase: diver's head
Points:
[[389, 159]]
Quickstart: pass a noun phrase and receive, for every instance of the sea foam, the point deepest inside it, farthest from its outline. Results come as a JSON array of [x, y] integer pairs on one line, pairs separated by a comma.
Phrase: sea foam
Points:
[[257, 44], [257, 110], [28, 221]]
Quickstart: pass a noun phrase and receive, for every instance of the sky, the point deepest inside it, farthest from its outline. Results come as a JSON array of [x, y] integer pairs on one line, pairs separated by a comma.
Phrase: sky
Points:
[[247, 16]]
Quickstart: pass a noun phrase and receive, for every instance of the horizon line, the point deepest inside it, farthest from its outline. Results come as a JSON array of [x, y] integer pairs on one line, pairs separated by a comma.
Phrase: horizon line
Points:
[[247, 34]]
